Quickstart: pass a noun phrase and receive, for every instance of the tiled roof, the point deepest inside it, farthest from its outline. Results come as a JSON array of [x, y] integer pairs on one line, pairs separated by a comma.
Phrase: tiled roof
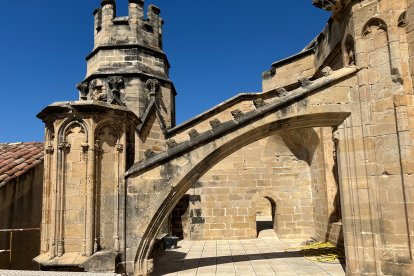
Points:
[[18, 158]]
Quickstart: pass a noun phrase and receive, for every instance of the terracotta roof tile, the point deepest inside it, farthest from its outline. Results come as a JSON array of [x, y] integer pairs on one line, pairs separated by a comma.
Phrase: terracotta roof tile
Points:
[[17, 158]]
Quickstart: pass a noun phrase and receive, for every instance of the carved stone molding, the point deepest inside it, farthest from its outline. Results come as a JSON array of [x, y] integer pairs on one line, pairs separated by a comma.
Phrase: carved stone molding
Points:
[[116, 83], [50, 149], [305, 82], [193, 133], [215, 123], [83, 88], [98, 149], [64, 146], [153, 86], [171, 143], [326, 71], [97, 92], [281, 92], [149, 153], [237, 113], [119, 147], [258, 103]]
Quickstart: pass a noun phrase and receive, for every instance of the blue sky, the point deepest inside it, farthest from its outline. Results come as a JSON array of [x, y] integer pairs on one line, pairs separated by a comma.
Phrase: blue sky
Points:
[[217, 49]]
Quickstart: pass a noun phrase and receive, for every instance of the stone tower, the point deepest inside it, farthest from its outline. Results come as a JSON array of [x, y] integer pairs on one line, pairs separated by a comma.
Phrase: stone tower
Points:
[[128, 57], [126, 104]]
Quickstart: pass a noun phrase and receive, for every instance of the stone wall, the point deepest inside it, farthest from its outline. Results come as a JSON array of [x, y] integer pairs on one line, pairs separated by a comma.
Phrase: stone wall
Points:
[[289, 71], [224, 202], [21, 208]]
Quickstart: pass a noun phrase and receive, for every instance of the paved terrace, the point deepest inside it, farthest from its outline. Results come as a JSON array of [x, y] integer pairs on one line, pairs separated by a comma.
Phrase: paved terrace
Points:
[[241, 257], [50, 273]]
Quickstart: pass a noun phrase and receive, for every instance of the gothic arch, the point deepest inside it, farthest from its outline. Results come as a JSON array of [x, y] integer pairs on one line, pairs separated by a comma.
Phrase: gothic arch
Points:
[[190, 171], [373, 25], [70, 123], [402, 21]]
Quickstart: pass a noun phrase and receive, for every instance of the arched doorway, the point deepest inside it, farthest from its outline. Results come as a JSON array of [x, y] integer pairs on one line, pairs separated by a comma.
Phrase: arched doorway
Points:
[[265, 216]]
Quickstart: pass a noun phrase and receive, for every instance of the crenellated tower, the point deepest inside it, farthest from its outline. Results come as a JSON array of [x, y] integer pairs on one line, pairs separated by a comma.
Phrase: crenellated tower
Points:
[[127, 65]]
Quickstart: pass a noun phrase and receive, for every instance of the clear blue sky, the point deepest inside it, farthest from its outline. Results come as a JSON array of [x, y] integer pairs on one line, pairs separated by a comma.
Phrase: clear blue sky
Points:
[[216, 49]]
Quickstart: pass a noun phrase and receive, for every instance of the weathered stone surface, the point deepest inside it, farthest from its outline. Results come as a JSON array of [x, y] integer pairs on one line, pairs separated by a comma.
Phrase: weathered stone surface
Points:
[[331, 159], [103, 261]]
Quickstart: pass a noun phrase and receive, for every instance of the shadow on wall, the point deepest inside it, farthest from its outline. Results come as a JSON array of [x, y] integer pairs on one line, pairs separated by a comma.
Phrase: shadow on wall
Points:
[[302, 143], [179, 219], [335, 233]]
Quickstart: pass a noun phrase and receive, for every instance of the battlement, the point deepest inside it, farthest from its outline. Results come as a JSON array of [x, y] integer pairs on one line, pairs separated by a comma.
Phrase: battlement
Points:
[[132, 29]]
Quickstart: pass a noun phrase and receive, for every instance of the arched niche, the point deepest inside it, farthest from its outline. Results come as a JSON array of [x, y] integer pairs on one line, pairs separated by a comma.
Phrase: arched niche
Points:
[[107, 148], [71, 188], [373, 26]]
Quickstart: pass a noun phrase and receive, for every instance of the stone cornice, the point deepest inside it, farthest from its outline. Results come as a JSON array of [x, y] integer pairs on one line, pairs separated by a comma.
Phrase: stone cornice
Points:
[[157, 52], [86, 107]]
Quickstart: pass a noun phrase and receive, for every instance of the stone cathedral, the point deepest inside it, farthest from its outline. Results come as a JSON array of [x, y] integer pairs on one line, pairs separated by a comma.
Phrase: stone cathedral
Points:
[[328, 144]]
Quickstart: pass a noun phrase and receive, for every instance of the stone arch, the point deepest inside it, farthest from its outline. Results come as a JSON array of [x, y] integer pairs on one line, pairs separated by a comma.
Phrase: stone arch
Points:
[[274, 201], [66, 127], [373, 25], [189, 172]]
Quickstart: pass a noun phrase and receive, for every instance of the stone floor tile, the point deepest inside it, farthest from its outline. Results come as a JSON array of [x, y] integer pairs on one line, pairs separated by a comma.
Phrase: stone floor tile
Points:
[[245, 257]]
